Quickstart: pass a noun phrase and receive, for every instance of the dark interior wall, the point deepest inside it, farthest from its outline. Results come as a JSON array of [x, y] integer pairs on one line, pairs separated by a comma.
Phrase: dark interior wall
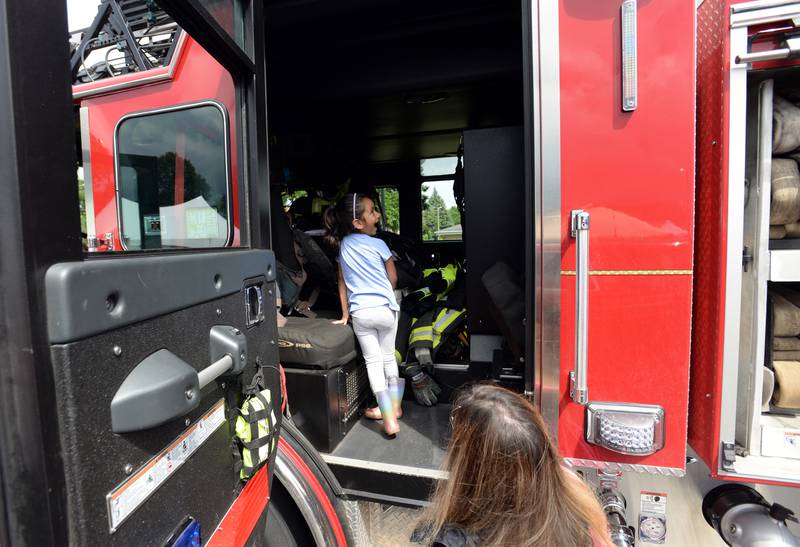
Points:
[[361, 81], [495, 213]]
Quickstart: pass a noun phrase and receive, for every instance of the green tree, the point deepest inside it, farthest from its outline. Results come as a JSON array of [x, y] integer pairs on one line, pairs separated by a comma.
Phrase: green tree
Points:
[[435, 216], [390, 202], [455, 216]]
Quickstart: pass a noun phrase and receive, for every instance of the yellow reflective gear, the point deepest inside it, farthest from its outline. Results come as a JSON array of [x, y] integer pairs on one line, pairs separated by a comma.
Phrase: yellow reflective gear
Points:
[[255, 429]]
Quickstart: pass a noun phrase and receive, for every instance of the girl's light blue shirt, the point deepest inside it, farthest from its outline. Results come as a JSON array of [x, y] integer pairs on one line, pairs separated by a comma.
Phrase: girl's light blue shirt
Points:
[[362, 259]]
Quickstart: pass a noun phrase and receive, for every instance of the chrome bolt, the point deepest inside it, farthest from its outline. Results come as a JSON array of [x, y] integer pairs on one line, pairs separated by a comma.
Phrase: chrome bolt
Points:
[[128, 469], [223, 385], [187, 422], [242, 356], [189, 394], [733, 529], [117, 351], [272, 342], [270, 292], [219, 312]]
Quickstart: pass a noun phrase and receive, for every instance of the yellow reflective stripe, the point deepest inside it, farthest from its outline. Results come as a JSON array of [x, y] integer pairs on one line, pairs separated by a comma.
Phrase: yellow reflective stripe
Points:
[[423, 335], [445, 321]]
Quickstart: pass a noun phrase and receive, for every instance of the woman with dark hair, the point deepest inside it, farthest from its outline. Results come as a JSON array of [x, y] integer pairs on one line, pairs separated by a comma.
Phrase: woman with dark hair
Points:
[[506, 483]]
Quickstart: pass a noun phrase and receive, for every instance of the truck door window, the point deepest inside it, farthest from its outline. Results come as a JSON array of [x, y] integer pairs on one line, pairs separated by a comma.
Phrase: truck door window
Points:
[[174, 178], [228, 14], [441, 220]]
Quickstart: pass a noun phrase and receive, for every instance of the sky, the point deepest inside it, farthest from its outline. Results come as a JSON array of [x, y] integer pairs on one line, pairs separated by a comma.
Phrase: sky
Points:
[[80, 13], [445, 189]]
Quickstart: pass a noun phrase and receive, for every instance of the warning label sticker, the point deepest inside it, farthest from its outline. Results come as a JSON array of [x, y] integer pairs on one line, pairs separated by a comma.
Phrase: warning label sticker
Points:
[[653, 517], [134, 491], [653, 502]]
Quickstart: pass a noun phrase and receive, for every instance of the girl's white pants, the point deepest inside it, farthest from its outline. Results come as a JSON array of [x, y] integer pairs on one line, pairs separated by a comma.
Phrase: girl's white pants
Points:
[[376, 329]]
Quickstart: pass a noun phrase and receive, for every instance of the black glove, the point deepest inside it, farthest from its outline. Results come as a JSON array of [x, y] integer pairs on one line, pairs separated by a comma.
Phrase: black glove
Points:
[[424, 387]]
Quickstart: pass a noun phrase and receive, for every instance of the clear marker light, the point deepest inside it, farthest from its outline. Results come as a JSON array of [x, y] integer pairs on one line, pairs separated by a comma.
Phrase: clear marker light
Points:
[[630, 98], [625, 428]]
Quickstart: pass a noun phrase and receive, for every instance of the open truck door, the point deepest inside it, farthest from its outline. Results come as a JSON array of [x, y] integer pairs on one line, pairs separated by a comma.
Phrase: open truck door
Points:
[[132, 381], [612, 163]]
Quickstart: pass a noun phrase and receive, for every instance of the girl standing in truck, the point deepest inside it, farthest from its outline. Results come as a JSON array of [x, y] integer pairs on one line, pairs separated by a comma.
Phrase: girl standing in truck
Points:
[[506, 484], [367, 278]]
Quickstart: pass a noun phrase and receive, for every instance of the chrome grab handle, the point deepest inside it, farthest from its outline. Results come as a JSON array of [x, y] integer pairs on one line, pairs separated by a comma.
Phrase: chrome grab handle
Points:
[[758, 56], [792, 50], [579, 229]]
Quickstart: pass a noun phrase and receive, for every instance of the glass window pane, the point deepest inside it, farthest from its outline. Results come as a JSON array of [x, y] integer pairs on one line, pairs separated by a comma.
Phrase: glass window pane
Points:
[[438, 166], [228, 14], [441, 220], [389, 199], [172, 171]]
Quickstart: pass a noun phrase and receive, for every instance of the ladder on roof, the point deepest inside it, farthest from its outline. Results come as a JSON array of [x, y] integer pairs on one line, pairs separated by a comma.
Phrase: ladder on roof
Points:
[[137, 33]]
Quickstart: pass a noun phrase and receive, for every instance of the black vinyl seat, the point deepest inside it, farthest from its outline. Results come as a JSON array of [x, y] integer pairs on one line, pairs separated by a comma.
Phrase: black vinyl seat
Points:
[[315, 343]]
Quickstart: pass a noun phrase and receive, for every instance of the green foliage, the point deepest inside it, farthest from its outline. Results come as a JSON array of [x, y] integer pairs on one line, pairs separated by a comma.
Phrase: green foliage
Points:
[[390, 201], [82, 203], [435, 216], [289, 197], [455, 216]]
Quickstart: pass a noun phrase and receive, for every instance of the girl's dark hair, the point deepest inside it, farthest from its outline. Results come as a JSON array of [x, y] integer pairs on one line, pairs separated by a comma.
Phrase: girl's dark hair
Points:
[[338, 219], [506, 482]]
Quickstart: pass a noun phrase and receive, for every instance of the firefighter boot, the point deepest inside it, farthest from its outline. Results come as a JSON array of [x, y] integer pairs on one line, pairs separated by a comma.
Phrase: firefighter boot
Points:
[[390, 425], [396, 388]]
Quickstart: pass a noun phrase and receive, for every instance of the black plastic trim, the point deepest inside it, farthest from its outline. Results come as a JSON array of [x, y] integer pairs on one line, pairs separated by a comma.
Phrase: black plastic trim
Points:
[[89, 297], [377, 485], [385, 500], [530, 237]]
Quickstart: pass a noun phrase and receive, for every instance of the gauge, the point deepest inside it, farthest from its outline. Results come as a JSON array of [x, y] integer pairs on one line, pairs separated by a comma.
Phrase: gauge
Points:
[[652, 528]]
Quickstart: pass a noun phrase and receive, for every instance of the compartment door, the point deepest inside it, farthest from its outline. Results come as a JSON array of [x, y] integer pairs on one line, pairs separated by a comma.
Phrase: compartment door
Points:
[[625, 179], [151, 358], [121, 372]]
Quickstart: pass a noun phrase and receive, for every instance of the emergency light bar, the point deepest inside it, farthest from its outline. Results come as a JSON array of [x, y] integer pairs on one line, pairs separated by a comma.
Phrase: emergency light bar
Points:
[[625, 428]]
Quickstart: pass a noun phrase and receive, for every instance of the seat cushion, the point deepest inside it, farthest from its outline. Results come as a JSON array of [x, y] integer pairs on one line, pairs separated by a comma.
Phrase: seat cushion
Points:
[[315, 343]]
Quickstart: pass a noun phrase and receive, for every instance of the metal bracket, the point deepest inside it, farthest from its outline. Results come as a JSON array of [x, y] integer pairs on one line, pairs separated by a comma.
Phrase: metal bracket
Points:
[[728, 456], [747, 258]]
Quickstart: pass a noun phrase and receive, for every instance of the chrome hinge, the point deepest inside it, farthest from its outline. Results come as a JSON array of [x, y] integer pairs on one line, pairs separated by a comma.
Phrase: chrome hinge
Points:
[[728, 456], [747, 258]]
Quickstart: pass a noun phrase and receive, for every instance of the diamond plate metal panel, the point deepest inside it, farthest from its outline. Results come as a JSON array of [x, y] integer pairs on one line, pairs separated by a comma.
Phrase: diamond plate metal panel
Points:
[[388, 525], [710, 229]]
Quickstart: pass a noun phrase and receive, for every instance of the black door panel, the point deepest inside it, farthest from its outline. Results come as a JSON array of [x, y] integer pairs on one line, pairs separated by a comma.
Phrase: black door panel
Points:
[[89, 371]]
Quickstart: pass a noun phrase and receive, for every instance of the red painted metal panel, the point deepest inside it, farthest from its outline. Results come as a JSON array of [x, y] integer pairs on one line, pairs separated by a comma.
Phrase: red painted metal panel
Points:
[[634, 173], [197, 77], [710, 230], [638, 353], [238, 524]]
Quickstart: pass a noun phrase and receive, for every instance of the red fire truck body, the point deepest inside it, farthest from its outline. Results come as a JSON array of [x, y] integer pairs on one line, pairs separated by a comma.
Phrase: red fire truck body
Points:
[[644, 337], [633, 171], [192, 76]]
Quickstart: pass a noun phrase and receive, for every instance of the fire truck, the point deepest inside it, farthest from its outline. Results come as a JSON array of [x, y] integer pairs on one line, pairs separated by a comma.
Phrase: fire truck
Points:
[[609, 178]]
